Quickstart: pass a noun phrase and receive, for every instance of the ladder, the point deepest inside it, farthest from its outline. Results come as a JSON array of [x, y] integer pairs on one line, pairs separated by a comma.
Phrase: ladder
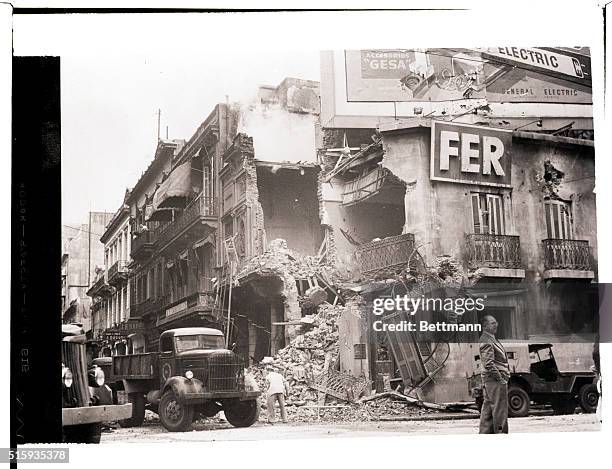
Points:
[[231, 256]]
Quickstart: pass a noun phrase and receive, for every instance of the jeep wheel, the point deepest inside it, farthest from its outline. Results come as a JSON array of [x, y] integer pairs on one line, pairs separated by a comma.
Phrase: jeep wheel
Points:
[[518, 402], [588, 398], [174, 416], [241, 413], [86, 433], [138, 411], [564, 405]]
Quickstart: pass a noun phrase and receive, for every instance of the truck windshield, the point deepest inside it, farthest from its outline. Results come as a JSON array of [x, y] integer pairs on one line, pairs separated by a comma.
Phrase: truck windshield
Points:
[[200, 341]]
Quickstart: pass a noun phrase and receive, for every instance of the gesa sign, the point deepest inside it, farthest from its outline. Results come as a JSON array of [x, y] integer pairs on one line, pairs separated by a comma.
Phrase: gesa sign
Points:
[[470, 154]]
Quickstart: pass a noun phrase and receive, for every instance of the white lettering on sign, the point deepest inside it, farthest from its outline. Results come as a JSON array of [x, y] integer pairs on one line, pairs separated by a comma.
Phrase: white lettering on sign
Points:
[[468, 153], [492, 152], [471, 154], [446, 151], [176, 308]]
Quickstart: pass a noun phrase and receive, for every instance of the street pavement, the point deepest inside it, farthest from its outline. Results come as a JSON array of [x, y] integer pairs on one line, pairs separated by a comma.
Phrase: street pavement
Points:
[[154, 432]]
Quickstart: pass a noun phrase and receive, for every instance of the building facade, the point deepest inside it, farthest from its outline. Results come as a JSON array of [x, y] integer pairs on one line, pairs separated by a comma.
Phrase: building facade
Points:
[[82, 253]]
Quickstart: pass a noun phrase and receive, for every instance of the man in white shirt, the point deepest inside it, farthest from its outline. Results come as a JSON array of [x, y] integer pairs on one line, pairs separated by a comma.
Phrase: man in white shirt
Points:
[[277, 390]]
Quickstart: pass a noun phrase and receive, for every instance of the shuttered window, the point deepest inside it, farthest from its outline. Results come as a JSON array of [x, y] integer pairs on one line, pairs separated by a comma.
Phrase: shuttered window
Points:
[[488, 214], [558, 215]]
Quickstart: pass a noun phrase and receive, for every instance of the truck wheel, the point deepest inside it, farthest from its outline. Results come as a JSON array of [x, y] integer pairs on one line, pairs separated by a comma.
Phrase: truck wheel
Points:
[[564, 405], [588, 398], [518, 402], [242, 413], [174, 416], [86, 433], [138, 411]]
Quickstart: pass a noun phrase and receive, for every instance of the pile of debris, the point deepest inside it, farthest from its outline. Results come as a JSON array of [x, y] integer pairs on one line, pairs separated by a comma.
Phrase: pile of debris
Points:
[[311, 355], [279, 259], [304, 358]]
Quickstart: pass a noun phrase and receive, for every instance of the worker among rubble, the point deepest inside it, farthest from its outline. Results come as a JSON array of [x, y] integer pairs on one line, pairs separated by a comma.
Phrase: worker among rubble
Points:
[[278, 389], [495, 376]]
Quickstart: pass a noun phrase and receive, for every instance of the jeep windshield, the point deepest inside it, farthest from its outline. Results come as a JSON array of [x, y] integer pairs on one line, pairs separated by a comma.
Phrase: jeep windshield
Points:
[[199, 342]]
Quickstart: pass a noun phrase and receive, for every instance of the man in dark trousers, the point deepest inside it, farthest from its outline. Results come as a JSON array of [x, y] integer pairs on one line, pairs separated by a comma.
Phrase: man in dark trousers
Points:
[[495, 376]]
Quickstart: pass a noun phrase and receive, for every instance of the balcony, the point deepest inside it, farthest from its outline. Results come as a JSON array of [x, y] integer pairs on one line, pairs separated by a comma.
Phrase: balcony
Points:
[[198, 304], [196, 221], [100, 288], [495, 255], [567, 259], [143, 245], [148, 306], [118, 273], [388, 255]]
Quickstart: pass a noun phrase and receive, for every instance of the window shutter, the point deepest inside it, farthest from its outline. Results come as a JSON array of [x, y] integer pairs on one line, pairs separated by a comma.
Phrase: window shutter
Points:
[[476, 214]]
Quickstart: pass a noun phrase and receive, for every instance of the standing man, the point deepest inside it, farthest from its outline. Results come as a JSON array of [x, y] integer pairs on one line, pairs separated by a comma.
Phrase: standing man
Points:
[[495, 376], [277, 390]]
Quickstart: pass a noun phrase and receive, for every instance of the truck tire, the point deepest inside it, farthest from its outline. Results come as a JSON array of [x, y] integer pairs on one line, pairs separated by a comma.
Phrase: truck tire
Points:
[[86, 433], [138, 411], [564, 405], [241, 413], [588, 398], [174, 416], [518, 402]]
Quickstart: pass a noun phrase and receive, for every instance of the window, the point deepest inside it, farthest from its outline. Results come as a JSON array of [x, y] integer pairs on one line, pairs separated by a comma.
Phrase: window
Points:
[[559, 223], [488, 214]]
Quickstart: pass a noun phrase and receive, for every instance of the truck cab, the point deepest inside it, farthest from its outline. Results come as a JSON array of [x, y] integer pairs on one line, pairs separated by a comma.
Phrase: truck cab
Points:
[[193, 373]]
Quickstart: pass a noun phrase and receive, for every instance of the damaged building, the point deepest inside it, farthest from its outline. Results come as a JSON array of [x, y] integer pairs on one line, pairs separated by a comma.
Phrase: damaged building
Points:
[[523, 230], [225, 225], [270, 219]]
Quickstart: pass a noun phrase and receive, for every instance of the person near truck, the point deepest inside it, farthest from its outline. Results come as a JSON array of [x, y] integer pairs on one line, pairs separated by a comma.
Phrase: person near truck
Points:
[[495, 376], [278, 389]]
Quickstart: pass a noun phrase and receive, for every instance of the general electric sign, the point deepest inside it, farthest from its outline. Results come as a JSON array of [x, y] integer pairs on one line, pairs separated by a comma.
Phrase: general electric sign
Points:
[[471, 154]]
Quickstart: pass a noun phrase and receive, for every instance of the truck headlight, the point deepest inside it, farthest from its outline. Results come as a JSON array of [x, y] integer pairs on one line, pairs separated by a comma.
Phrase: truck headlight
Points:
[[189, 374], [66, 376], [96, 377]]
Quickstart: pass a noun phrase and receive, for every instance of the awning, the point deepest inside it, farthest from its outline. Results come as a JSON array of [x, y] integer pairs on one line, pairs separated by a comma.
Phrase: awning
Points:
[[162, 214], [175, 190]]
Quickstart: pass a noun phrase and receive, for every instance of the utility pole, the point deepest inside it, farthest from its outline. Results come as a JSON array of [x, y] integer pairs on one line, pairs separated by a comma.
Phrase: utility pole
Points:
[[158, 122]]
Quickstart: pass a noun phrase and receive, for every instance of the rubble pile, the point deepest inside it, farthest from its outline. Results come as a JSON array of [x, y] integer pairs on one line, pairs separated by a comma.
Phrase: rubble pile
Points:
[[279, 259], [305, 358]]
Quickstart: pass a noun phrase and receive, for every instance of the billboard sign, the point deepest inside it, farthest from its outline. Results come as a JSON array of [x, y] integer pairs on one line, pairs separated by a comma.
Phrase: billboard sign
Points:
[[500, 74], [471, 154]]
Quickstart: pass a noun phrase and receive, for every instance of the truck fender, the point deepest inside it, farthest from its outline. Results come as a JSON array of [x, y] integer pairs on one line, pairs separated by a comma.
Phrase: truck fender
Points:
[[154, 396], [181, 385]]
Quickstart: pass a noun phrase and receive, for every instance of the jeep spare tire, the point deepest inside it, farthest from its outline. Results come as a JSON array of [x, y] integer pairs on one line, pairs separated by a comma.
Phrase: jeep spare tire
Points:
[[518, 402], [174, 415], [241, 413]]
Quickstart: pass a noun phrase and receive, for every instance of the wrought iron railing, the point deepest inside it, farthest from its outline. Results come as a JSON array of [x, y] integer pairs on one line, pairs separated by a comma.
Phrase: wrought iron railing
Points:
[[143, 239], [119, 267], [100, 287], [497, 251], [198, 208], [147, 306], [568, 254], [386, 254]]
